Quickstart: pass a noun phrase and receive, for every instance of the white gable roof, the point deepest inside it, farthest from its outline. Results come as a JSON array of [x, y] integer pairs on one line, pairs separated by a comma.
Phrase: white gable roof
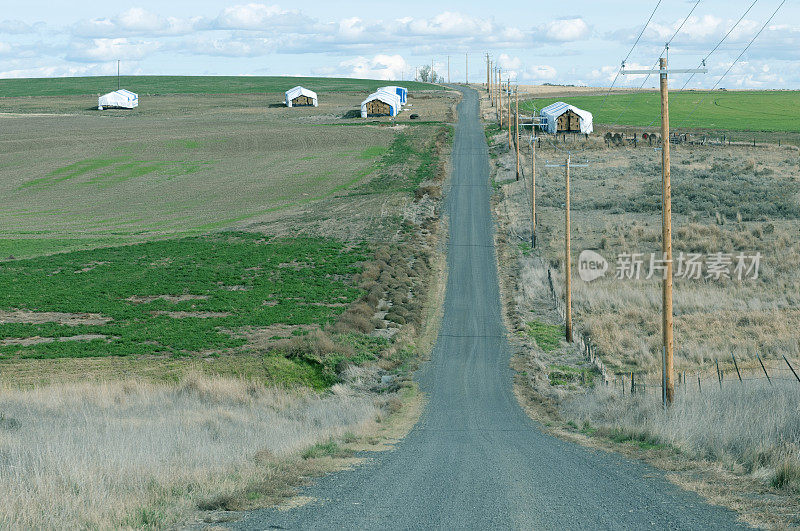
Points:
[[119, 98], [553, 111], [389, 98], [294, 92], [400, 91]]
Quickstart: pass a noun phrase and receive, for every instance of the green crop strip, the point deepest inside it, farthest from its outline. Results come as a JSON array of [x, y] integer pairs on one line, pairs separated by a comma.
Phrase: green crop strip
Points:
[[221, 283]]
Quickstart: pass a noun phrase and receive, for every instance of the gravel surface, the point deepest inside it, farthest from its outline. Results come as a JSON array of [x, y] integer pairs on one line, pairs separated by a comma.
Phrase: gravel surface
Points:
[[475, 460]]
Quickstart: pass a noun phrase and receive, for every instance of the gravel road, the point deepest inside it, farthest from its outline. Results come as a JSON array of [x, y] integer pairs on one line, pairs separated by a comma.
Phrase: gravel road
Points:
[[475, 460]]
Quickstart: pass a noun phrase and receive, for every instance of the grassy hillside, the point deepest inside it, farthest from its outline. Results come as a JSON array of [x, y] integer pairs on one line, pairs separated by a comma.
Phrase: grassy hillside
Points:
[[72, 86], [735, 111]]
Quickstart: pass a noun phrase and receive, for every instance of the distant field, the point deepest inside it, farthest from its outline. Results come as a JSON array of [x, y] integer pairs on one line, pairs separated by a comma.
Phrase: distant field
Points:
[[171, 168], [75, 86], [142, 208], [722, 110]]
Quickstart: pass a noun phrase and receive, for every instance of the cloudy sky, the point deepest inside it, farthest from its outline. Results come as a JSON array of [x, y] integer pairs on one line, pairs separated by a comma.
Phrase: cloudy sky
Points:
[[580, 42]]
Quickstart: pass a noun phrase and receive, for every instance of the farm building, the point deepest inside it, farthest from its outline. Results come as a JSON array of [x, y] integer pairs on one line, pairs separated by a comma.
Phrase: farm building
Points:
[[400, 91], [301, 97], [121, 99], [563, 118], [381, 103]]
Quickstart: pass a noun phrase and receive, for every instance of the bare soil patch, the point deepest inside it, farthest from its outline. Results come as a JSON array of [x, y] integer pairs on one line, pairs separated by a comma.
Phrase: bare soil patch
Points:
[[69, 319]]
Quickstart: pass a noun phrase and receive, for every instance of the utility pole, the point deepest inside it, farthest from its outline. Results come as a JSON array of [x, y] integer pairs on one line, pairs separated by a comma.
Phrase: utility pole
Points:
[[488, 81], [567, 250], [533, 189], [466, 68], [118, 86], [490, 77], [567, 262], [508, 94], [448, 69], [500, 96], [668, 366], [516, 127]]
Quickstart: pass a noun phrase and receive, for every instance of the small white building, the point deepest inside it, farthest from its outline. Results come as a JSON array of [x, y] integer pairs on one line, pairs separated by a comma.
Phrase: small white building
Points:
[[560, 117], [120, 99], [301, 97], [381, 103], [400, 91]]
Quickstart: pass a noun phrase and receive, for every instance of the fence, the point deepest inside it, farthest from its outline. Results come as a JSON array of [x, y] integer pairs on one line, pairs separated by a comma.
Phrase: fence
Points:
[[767, 371]]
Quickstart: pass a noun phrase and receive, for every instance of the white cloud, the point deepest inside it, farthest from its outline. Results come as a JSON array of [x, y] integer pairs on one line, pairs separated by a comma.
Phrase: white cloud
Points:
[[378, 67], [109, 49], [260, 17], [567, 29], [15, 27], [136, 22]]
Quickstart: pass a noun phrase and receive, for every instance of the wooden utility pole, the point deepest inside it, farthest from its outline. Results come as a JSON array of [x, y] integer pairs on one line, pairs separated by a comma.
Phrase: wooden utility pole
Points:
[[500, 96], [508, 84], [567, 250], [668, 365], [533, 190], [567, 263], [488, 81], [516, 126], [666, 237], [491, 83]]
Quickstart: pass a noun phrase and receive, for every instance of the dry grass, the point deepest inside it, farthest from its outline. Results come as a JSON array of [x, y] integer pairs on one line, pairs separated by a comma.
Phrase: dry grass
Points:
[[752, 428], [133, 454], [739, 446]]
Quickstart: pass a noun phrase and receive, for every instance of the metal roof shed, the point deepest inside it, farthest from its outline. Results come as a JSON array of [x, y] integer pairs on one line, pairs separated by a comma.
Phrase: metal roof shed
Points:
[[561, 117], [381, 103], [301, 97], [121, 99]]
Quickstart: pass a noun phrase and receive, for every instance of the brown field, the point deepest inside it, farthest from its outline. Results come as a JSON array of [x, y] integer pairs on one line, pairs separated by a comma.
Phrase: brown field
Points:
[[261, 418], [736, 443]]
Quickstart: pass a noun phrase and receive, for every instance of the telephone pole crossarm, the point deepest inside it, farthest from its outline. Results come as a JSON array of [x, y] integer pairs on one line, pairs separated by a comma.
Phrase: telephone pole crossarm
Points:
[[668, 71]]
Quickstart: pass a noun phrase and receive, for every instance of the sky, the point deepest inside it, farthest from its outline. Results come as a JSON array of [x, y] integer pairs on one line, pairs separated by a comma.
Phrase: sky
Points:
[[565, 42]]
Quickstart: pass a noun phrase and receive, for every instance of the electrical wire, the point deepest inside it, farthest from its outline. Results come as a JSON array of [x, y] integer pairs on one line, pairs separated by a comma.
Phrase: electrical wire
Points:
[[703, 61], [664, 50], [697, 105], [628, 56]]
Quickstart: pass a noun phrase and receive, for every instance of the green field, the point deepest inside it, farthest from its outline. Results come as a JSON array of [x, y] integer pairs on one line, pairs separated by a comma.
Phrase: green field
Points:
[[216, 231], [777, 111], [149, 85], [173, 297]]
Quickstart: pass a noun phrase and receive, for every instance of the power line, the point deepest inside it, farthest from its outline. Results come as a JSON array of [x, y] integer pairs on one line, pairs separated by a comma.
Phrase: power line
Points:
[[665, 49], [629, 54], [697, 105], [723, 39], [703, 61]]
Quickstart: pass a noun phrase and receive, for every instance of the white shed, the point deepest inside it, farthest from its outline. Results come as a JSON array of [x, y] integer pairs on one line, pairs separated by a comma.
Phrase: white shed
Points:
[[301, 97], [121, 99], [563, 118], [381, 103], [400, 91]]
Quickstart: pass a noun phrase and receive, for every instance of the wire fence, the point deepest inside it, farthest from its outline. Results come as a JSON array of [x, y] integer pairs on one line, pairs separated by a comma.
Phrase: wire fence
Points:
[[728, 370]]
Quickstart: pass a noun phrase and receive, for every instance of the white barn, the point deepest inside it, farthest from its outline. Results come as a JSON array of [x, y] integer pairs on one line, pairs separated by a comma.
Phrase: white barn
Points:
[[301, 97], [400, 91], [563, 118], [381, 103], [121, 99]]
